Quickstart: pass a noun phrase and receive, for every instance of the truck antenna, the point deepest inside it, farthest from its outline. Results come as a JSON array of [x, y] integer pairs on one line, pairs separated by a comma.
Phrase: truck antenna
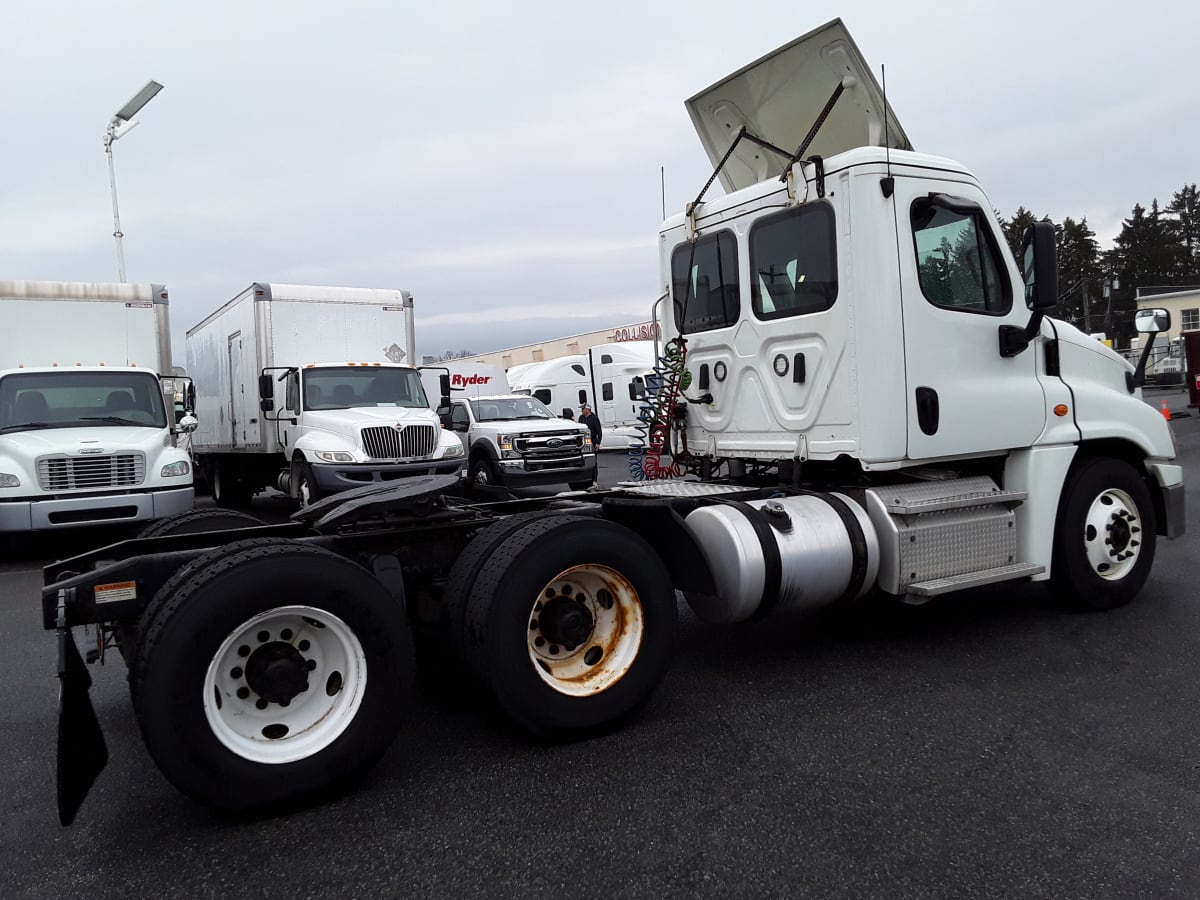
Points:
[[662, 182], [887, 184]]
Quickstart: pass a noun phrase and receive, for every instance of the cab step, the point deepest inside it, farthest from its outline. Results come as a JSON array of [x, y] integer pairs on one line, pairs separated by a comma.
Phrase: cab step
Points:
[[936, 586], [959, 493]]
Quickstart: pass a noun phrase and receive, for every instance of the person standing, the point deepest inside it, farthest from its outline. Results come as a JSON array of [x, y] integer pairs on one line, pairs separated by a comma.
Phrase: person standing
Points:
[[592, 421]]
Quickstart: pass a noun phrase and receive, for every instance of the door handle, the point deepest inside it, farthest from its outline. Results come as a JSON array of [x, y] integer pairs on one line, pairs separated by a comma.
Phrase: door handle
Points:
[[927, 410]]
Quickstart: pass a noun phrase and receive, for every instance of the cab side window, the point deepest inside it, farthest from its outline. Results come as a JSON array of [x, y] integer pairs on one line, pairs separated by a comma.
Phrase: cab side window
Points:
[[793, 262], [291, 398], [959, 265], [704, 283]]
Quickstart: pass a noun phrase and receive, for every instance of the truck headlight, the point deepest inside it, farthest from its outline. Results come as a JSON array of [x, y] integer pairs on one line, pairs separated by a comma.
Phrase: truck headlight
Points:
[[505, 443], [334, 456], [175, 469], [587, 442], [7, 480], [453, 449]]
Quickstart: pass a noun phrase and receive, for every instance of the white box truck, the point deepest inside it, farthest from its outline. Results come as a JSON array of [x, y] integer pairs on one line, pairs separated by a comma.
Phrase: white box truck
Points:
[[87, 425], [611, 378], [304, 388], [511, 440], [862, 384]]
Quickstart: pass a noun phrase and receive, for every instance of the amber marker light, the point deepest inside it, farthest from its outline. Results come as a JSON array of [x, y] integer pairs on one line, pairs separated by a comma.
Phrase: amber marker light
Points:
[[1061, 410]]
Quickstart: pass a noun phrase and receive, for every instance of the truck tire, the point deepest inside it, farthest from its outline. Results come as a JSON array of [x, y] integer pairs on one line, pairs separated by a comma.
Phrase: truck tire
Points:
[[1104, 537], [228, 491], [307, 492], [225, 666], [483, 471], [572, 624], [194, 521], [467, 567]]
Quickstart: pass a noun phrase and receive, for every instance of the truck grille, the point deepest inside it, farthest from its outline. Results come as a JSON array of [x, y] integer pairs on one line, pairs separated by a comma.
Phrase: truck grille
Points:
[[65, 473], [386, 442], [535, 448]]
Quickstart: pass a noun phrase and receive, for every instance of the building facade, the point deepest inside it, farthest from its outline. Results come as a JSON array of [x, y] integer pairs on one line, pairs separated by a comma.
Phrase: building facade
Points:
[[566, 346]]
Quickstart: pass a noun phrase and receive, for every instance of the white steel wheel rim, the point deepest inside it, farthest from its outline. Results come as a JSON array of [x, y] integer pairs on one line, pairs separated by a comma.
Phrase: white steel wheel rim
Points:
[[287, 640], [580, 655], [1112, 534]]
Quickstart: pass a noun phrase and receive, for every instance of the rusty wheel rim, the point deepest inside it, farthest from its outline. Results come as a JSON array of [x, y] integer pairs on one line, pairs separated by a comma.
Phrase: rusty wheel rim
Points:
[[585, 630]]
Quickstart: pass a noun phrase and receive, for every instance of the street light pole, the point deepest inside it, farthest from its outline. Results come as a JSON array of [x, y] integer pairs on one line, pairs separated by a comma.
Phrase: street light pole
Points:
[[122, 123]]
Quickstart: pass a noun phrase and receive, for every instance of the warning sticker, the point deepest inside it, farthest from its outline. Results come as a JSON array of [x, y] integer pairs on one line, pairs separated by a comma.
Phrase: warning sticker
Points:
[[139, 306], [111, 593]]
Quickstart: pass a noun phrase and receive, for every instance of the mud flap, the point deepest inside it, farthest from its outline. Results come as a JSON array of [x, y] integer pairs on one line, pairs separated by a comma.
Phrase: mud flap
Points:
[[82, 753]]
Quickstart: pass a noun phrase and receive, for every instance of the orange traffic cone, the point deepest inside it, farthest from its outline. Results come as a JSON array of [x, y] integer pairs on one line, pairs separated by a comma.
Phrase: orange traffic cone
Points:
[[1166, 413]]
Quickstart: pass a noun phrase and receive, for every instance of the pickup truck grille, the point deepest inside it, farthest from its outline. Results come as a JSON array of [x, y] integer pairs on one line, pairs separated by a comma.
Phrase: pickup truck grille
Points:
[[385, 442], [65, 473], [546, 447]]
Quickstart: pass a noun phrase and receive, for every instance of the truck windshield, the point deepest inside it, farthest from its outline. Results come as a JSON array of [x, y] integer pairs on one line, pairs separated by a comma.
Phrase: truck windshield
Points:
[[67, 399], [504, 409], [352, 387]]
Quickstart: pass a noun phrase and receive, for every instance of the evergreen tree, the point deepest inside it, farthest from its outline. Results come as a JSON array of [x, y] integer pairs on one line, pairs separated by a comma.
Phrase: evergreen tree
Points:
[[1080, 298], [1183, 225], [1014, 229]]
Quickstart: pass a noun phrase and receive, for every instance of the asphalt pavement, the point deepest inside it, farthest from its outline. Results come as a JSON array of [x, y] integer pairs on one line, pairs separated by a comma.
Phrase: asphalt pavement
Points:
[[989, 745]]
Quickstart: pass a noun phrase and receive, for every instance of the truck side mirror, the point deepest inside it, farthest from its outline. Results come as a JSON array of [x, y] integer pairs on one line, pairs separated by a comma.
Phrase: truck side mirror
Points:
[[266, 404], [1152, 321], [266, 389], [1039, 266], [444, 387]]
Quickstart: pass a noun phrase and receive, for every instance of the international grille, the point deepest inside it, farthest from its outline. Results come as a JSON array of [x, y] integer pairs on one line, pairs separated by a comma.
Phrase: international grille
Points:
[[389, 443], [66, 473]]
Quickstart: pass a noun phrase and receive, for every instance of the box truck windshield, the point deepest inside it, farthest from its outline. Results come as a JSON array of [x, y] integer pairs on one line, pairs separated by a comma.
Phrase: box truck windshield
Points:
[[353, 387], [75, 399]]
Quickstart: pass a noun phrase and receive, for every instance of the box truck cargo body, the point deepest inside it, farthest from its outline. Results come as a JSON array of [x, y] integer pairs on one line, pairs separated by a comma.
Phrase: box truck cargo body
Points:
[[306, 388], [87, 435]]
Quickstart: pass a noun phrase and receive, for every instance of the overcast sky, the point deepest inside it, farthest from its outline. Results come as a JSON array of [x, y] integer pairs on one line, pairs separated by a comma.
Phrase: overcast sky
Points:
[[501, 160]]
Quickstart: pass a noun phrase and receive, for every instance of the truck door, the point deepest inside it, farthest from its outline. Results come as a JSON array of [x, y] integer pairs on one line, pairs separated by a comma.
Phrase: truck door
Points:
[[236, 388], [604, 377], [958, 286]]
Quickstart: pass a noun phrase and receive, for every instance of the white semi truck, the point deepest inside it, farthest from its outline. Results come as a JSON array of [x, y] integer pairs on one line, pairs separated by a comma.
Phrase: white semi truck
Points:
[[611, 378], [305, 388], [858, 380], [87, 426]]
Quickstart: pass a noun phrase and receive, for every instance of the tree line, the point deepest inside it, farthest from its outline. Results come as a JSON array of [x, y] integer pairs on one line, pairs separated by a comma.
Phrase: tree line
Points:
[[1156, 247]]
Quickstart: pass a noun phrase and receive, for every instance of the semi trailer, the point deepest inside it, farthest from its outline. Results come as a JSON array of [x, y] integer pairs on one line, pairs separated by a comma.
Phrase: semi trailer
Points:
[[87, 427], [864, 399]]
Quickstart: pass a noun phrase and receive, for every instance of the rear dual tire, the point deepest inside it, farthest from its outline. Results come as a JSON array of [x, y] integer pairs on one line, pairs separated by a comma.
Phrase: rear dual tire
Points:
[[570, 621], [269, 672]]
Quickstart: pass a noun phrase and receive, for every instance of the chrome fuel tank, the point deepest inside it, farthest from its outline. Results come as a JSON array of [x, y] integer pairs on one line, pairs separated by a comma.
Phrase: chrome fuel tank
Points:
[[783, 554]]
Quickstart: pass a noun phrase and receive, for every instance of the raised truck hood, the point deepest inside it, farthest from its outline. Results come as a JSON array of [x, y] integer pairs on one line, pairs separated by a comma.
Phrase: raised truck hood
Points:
[[780, 97]]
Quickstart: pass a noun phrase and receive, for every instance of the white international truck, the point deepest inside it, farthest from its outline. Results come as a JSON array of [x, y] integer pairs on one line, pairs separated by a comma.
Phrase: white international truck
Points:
[[858, 380], [304, 388], [511, 440], [611, 378], [86, 434]]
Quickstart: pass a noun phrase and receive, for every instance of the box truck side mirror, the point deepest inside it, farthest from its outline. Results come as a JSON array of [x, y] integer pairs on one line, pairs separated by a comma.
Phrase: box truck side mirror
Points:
[[1152, 321], [266, 389]]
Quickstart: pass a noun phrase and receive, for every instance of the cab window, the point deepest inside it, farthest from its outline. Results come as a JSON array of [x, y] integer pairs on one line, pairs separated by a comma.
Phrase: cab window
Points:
[[793, 262], [458, 415], [704, 279], [958, 261]]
